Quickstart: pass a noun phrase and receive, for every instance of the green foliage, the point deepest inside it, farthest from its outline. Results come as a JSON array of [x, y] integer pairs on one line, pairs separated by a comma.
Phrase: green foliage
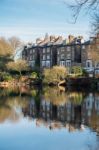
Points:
[[76, 71], [20, 65], [8, 78], [84, 72], [34, 75], [54, 75], [5, 76]]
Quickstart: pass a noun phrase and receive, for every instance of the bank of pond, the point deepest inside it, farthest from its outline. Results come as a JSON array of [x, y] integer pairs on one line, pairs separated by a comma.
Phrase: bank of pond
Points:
[[80, 82]]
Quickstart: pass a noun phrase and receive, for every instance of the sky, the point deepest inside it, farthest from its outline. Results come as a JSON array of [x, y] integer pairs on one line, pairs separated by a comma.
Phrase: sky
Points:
[[30, 19]]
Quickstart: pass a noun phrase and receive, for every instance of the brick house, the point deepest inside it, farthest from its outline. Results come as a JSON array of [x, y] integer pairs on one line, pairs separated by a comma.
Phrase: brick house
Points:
[[69, 55], [55, 51], [31, 55], [87, 59]]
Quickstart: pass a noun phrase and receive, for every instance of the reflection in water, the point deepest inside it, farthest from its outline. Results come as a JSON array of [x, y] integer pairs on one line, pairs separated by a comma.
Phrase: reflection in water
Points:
[[52, 108]]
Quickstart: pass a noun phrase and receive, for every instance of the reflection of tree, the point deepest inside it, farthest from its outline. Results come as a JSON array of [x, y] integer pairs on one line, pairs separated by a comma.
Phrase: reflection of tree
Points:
[[55, 96], [76, 97], [58, 97], [67, 109], [16, 91], [9, 108]]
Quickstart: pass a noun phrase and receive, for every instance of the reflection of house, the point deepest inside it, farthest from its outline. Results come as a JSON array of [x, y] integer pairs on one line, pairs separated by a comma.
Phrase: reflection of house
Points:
[[90, 109], [30, 110], [45, 109], [69, 115], [97, 104], [65, 112], [87, 108]]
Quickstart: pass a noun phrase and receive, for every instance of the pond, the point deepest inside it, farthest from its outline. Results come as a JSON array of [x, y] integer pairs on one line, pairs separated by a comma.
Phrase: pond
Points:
[[48, 119]]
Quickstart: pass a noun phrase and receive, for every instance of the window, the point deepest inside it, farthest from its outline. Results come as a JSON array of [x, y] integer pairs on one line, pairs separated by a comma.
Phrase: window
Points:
[[97, 72], [48, 50], [58, 51], [89, 63], [30, 51], [62, 56], [83, 46], [68, 63], [43, 50], [48, 56], [68, 56], [68, 49], [32, 63], [33, 57], [43, 57], [30, 57], [62, 63], [43, 63], [33, 50], [97, 64], [47, 63], [62, 49]]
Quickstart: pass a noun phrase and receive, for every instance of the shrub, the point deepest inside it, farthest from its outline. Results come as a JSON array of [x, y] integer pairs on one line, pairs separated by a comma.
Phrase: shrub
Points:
[[54, 75], [76, 71], [34, 75], [5, 76]]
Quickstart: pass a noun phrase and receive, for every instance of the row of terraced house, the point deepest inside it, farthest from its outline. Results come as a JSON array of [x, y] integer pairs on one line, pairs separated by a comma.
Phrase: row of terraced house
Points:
[[52, 51]]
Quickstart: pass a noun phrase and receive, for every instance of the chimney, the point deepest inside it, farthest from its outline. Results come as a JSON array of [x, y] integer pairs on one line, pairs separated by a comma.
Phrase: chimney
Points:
[[71, 38]]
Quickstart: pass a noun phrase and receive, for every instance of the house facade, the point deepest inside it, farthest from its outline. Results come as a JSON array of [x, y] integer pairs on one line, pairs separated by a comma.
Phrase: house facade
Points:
[[69, 55], [52, 52], [90, 55], [31, 55]]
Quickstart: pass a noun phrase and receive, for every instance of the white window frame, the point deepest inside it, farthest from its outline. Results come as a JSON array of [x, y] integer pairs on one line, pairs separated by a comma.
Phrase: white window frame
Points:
[[47, 63], [68, 55], [62, 63], [62, 49], [30, 58], [68, 63], [83, 46], [48, 50], [48, 56], [44, 57], [68, 48], [32, 63], [43, 63], [62, 56], [44, 50], [90, 63], [31, 51]]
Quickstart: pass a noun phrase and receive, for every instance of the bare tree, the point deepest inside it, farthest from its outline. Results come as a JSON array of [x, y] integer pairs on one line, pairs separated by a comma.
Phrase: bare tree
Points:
[[95, 23], [15, 42], [87, 5], [5, 47]]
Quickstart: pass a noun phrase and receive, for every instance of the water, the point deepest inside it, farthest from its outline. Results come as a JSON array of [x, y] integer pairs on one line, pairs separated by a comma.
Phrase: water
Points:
[[48, 119]]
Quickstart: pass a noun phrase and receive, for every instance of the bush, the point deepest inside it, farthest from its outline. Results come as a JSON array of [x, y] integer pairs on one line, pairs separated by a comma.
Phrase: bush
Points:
[[54, 75], [5, 76], [34, 75], [76, 71]]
